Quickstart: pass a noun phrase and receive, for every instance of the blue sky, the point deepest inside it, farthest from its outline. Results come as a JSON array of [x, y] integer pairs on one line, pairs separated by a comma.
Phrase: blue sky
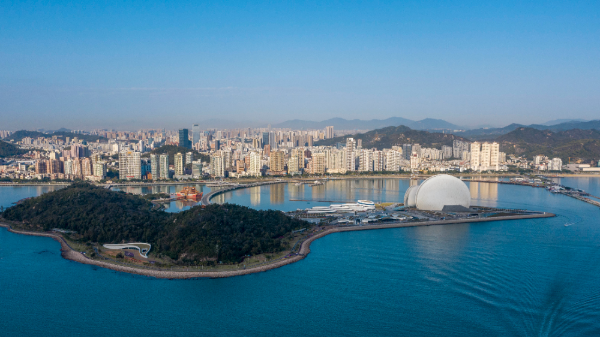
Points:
[[140, 64]]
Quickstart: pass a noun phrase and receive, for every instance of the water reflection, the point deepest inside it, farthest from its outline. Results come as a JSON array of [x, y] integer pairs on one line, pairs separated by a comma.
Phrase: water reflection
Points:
[[290, 196], [255, 195], [277, 195], [484, 192], [318, 192]]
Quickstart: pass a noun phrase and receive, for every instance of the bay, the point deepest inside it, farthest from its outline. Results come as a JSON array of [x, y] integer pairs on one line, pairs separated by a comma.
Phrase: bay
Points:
[[507, 278]]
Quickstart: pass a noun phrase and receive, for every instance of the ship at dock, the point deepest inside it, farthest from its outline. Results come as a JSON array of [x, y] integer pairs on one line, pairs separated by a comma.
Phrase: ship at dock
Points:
[[189, 192]]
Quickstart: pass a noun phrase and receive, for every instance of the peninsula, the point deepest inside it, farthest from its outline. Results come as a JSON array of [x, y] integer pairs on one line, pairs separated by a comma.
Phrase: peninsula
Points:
[[204, 241]]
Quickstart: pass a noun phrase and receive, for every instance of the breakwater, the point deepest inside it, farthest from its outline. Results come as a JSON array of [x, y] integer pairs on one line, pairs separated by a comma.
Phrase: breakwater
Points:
[[206, 197]]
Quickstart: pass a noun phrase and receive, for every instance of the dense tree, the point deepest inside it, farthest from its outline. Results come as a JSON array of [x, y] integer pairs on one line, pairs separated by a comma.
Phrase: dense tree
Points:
[[9, 150], [216, 233]]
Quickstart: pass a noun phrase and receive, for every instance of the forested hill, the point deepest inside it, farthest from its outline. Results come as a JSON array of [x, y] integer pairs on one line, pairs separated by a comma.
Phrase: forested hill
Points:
[[19, 135], [575, 143], [218, 232], [396, 135], [171, 150], [9, 150]]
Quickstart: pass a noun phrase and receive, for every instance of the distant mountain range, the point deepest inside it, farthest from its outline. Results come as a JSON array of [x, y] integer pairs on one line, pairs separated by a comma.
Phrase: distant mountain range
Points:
[[574, 143], [522, 141], [397, 135], [492, 133], [19, 135], [358, 124], [561, 121]]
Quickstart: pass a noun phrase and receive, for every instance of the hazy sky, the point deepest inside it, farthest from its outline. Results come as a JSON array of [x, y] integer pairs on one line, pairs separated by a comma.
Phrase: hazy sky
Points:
[[140, 64]]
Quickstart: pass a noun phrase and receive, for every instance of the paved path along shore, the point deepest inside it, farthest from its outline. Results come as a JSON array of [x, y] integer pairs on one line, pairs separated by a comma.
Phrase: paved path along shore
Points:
[[70, 254]]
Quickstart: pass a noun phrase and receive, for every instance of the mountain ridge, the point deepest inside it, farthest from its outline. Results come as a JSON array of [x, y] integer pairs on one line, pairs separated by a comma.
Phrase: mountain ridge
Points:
[[397, 135], [359, 124]]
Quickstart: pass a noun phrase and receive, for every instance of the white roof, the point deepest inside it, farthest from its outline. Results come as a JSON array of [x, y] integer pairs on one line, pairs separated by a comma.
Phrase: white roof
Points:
[[442, 190]]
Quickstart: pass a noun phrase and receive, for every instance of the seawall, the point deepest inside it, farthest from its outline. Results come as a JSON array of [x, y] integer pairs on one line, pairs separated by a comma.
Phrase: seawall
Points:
[[68, 253]]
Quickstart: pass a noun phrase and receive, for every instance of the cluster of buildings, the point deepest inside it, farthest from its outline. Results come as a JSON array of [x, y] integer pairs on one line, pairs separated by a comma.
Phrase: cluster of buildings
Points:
[[271, 155], [247, 152]]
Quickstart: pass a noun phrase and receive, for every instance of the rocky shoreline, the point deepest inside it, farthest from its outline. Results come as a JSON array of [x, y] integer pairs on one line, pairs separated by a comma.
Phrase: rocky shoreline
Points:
[[68, 253]]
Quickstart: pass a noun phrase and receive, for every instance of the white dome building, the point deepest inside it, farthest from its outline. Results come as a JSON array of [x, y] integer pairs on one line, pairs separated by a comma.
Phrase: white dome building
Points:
[[438, 191], [410, 196]]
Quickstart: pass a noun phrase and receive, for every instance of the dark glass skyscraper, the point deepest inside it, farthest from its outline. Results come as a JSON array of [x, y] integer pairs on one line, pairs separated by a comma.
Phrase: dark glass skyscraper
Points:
[[265, 139], [184, 139]]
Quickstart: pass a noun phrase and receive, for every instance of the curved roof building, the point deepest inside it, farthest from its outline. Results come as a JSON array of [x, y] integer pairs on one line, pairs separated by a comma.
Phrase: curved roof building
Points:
[[410, 196], [438, 191]]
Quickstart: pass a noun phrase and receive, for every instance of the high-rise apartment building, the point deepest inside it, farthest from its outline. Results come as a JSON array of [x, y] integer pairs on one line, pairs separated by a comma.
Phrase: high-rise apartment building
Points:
[[328, 132], [129, 165], [447, 152], [178, 163], [407, 151], [255, 164], [366, 161], [318, 163], [100, 169], [392, 160], [485, 156], [475, 156], [154, 167], [350, 148], [555, 164], [86, 167], [164, 166], [197, 169], [277, 161], [273, 140], [459, 147], [378, 161], [293, 167], [217, 166]]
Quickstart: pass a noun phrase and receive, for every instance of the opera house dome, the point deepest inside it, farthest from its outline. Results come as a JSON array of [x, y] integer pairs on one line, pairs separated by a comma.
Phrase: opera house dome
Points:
[[438, 191]]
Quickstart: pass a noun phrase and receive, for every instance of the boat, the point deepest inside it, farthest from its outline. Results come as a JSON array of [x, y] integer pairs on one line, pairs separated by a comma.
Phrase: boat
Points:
[[189, 192], [366, 202]]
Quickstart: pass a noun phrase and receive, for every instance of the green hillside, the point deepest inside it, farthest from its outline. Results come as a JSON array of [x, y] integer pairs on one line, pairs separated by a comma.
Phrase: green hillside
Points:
[[19, 135], [396, 135], [9, 150], [575, 143], [218, 232]]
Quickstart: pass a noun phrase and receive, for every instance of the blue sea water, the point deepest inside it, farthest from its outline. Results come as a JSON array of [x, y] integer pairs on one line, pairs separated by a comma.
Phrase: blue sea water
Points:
[[533, 277]]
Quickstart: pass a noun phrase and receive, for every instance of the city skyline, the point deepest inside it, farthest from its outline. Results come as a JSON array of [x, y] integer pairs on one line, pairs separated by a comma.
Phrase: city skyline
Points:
[[169, 65]]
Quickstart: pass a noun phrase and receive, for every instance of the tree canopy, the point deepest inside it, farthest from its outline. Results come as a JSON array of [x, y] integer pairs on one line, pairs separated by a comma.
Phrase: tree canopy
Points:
[[217, 232]]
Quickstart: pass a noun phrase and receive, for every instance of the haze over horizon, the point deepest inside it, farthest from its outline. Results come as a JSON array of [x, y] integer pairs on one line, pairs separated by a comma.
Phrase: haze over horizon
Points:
[[154, 65]]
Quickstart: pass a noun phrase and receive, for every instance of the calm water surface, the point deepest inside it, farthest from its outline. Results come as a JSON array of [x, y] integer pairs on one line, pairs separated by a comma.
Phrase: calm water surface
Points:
[[508, 278], [174, 206]]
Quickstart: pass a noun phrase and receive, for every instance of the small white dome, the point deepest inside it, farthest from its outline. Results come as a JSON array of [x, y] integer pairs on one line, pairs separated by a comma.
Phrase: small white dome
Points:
[[439, 191], [410, 196]]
